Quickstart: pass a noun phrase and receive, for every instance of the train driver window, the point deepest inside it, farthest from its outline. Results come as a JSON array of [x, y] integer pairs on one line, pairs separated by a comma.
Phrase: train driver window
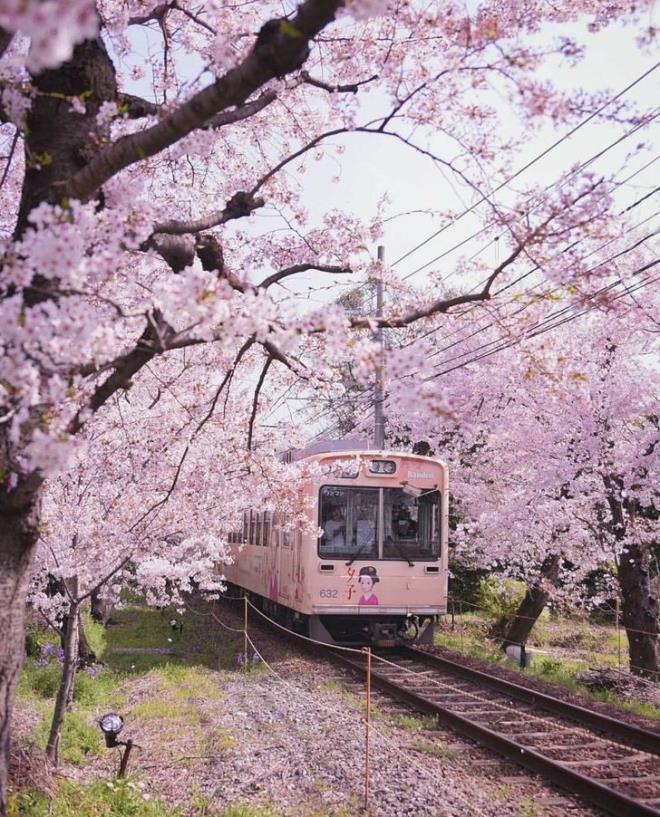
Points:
[[410, 525], [348, 519]]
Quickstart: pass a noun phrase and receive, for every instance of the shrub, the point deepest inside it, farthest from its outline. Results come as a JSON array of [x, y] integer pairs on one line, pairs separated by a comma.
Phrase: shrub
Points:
[[500, 598]]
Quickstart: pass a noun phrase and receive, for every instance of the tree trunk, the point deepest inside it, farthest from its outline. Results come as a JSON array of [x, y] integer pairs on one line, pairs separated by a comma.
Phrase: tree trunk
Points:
[[640, 610], [86, 655], [100, 608], [18, 536], [639, 604], [65, 692], [533, 604]]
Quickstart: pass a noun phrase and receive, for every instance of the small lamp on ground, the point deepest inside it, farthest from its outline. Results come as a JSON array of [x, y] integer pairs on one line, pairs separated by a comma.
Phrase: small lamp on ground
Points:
[[176, 625], [111, 725]]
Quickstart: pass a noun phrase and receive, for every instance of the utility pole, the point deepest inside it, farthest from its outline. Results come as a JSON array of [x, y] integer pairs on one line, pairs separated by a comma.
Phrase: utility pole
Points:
[[379, 420]]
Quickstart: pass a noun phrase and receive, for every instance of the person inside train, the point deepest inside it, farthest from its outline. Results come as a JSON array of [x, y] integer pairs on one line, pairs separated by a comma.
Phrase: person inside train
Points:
[[334, 530]]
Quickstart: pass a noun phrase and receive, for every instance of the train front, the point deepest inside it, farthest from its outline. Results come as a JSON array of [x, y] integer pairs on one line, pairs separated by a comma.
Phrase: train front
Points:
[[379, 573]]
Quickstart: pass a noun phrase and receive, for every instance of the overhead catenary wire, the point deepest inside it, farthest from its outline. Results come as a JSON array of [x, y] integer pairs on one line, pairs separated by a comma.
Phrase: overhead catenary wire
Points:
[[520, 278], [529, 164]]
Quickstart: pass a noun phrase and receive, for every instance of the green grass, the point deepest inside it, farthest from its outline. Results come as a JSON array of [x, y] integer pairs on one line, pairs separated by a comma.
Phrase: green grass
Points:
[[120, 798], [436, 748], [415, 722]]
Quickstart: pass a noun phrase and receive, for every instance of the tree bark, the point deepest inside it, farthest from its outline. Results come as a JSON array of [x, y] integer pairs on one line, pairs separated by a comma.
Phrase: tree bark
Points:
[[640, 609], [533, 604], [65, 691], [99, 608], [86, 655], [640, 606], [18, 537]]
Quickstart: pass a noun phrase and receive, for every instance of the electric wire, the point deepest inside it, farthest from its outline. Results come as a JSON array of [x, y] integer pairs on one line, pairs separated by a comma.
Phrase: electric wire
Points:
[[532, 162]]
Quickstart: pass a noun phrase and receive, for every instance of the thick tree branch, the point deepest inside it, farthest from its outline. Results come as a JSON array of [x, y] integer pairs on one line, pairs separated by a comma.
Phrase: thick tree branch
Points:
[[136, 107], [281, 47], [239, 205], [296, 268], [152, 342]]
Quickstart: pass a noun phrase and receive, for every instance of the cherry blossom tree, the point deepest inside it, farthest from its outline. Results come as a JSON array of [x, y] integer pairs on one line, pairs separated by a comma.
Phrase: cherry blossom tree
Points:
[[555, 467], [130, 187]]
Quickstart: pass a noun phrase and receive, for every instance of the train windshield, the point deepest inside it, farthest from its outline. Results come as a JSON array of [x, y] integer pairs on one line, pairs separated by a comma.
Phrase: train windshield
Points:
[[355, 521], [411, 527], [349, 519]]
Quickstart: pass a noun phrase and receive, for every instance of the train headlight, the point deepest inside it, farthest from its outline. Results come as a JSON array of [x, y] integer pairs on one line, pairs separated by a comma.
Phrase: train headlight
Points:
[[382, 466]]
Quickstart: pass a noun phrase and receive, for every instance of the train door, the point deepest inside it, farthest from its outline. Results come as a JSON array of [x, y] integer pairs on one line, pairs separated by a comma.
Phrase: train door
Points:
[[285, 565]]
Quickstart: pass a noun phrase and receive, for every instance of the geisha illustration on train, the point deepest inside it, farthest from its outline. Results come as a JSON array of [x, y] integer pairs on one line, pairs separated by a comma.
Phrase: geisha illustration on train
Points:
[[371, 565]]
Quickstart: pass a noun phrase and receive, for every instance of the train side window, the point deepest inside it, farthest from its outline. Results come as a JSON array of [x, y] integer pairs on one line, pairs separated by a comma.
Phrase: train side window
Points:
[[266, 531], [245, 527], [257, 528], [253, 528]]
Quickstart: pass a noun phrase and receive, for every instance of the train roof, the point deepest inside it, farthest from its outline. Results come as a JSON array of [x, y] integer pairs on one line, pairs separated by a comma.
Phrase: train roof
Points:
[[348, 446]]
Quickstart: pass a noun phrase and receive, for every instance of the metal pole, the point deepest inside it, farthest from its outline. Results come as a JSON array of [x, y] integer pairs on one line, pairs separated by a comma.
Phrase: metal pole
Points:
[[618, 629], [124, 759], [460, 627], [245, 633], [379, 420], [367, 722]]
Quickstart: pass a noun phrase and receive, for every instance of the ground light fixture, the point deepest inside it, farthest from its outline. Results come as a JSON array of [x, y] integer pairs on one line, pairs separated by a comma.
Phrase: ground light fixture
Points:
[[111, 725], [175, 624]]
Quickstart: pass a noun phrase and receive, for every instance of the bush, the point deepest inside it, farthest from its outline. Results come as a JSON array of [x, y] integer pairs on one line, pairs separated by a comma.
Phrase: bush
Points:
[[500, 598], [34, 641], [45, 681]]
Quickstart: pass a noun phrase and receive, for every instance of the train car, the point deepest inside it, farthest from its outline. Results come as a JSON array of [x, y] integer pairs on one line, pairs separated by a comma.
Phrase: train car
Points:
[[373, 570]]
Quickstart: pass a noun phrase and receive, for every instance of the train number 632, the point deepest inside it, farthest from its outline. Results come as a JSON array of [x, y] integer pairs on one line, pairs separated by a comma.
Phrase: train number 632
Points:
[[328, 593]]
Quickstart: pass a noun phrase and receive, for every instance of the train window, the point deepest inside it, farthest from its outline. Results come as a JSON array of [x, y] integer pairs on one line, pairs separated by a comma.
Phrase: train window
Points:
[[410, 525], [245, 527], [286, 538], [253, 527], [349, 519], [257, 528], [266, 532]]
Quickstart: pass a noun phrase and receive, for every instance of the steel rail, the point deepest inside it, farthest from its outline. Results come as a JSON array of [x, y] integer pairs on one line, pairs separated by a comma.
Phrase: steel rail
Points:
[[620, 805], [635, 735]]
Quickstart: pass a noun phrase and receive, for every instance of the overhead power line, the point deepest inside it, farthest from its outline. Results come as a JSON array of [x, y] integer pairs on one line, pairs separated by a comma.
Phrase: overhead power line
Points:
[[526, 166]]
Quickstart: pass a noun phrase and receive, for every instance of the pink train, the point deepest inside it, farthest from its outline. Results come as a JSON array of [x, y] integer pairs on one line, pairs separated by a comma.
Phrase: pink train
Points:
[[376, 573]]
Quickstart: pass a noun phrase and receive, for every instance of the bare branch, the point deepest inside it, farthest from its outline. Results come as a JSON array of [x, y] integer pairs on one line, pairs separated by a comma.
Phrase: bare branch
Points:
[[239, 205], [151, 343], [241, 112], [281, 47], [296, 268], [225, 381], [255, 402], [169, 493], [442, 305], [136, 107], [349, 88], [157, 14]]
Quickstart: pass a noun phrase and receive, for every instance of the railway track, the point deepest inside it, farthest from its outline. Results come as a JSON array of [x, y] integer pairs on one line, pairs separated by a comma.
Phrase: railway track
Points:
[[611, 764]]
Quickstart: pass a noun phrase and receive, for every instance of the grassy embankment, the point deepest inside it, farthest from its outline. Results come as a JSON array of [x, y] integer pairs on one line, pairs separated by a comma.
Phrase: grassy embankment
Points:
[[570, 647], [162, 696]]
